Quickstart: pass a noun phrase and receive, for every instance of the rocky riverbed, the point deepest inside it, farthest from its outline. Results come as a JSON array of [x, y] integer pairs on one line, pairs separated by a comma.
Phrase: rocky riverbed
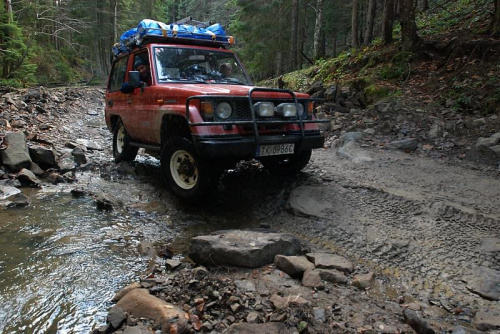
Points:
[[405, 195]]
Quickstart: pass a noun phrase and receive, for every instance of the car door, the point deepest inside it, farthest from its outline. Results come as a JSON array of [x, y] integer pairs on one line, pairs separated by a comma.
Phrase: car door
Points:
[[142, 101], [116, 101]]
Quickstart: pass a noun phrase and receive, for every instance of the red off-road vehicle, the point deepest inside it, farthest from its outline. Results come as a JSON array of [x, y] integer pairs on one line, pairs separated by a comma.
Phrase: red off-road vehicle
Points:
[[196, 108]]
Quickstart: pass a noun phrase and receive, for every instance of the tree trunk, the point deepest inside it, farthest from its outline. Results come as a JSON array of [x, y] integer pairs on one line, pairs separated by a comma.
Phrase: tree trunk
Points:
[[8, 11], [303, 32], [371, 12], [354, 24], [496, 19], [279, 63], [397, 8], [317, 29], [174, 11], [409, 37], [294, 40], [387, 21], [335, 44], [115, 21], [424, 5], [322, 52]]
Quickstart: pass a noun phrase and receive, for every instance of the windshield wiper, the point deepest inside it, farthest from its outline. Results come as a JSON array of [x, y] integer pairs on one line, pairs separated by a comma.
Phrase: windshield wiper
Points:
[[192, 80], [232, 81]]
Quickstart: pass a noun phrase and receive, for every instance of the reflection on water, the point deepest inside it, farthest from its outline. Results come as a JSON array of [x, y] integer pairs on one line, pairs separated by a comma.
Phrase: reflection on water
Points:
[[60, 262]]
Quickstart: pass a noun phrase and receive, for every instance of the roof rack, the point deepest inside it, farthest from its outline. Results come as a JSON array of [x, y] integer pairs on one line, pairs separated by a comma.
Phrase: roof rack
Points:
[[201, 33]]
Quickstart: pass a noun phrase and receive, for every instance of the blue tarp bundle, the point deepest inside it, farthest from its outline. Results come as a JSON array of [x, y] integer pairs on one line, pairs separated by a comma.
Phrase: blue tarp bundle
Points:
[[151, 28]]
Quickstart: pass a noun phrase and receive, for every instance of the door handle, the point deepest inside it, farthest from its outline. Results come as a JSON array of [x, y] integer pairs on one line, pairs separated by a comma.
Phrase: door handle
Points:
[[129, 101]]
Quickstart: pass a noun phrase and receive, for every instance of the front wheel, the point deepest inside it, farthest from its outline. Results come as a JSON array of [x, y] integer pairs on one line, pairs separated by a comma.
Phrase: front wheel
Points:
[[287, 165], [122, 151], [189, 176]]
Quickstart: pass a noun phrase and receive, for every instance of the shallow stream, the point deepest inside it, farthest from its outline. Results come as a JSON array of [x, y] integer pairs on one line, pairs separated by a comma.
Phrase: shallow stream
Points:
[[60, 262], [62, 259]]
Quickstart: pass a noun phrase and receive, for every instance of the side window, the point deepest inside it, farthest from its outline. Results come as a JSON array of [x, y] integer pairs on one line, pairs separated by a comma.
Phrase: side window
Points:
[[118, 74], [141, 64]]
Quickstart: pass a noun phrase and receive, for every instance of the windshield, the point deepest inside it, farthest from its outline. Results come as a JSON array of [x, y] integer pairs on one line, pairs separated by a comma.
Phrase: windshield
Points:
[[198, 65]]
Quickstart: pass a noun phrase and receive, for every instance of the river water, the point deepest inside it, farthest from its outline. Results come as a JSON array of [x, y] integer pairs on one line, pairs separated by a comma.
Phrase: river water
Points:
[[61, 260]]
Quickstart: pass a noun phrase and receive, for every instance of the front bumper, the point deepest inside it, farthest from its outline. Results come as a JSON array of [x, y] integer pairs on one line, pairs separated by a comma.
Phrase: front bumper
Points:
[[243, 147]]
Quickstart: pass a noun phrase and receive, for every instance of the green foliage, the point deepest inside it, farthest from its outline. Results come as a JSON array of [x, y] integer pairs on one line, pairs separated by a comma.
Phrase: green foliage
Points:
[[260, 29], [298, 80], [77, 35], [336, 68], [449, 15], [354, 60], [359, 83], [56, 67], [376, 92], [399, 68], [14, 55]]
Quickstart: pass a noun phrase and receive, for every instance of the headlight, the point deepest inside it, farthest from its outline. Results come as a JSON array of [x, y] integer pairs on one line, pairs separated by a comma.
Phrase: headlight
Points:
[[224, 110], [264, 109], [287, 110], [300, 111]]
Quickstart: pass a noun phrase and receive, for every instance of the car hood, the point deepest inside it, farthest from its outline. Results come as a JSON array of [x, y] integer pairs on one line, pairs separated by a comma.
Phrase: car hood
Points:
[[230, 90]]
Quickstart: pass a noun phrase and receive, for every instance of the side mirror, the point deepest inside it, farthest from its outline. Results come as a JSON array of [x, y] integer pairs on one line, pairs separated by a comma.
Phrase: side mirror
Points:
[[134, 78], [133, 83]]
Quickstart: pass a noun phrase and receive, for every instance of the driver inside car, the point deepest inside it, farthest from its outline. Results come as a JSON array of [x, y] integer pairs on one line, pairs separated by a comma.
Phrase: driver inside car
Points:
[[141, 64], [226, 70]]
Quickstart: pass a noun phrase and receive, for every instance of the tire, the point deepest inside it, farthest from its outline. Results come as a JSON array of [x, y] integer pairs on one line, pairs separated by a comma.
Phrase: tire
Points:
[[122, 151], [287, 165], [188, 176]]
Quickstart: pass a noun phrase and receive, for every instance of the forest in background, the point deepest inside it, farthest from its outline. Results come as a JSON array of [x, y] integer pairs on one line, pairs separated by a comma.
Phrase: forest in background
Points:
[[44, 42]]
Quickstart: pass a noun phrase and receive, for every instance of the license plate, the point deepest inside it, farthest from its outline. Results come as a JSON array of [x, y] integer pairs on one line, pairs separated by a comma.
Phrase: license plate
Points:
[[267, 150]]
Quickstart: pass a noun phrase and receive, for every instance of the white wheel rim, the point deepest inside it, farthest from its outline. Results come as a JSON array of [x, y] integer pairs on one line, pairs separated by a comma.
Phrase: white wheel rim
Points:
[[183, 169], [120, 139]]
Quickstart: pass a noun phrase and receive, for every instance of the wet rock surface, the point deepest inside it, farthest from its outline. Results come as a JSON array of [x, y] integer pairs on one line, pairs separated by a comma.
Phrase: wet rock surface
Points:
[[413, 228], [250, 249]]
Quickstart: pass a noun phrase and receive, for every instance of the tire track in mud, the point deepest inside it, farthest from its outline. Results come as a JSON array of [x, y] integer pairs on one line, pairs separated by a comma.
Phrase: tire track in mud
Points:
[[429, 245]]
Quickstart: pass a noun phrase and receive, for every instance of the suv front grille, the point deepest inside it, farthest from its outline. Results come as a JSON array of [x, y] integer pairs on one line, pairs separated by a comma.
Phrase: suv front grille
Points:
[[242, 111]]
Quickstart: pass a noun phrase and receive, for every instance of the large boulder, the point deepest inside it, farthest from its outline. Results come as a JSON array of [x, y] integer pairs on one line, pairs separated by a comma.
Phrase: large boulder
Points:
[[16, 155], [138, 303], [488, 320], [308, 201], [43, 156], [28, 178], [293, 265], [331, 261], [407, 145], [485, 282], [250, 249], [7, 191], [66, 163]]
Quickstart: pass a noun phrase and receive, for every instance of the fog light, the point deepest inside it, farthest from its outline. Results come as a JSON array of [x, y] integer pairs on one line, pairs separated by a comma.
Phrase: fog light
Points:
[[287, 110], [224, 110], [264, 109], [300, 111]]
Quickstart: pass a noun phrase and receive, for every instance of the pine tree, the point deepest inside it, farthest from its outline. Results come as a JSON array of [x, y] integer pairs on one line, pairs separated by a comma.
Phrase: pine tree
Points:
[[14, 54]]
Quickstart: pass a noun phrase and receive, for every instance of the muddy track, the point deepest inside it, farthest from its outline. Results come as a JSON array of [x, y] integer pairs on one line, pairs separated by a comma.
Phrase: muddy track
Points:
[[422, 222]]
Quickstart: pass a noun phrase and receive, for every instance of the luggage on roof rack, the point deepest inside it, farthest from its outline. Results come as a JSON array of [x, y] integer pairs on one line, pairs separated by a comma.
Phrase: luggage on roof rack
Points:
[[159, 31], [189, 20]]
